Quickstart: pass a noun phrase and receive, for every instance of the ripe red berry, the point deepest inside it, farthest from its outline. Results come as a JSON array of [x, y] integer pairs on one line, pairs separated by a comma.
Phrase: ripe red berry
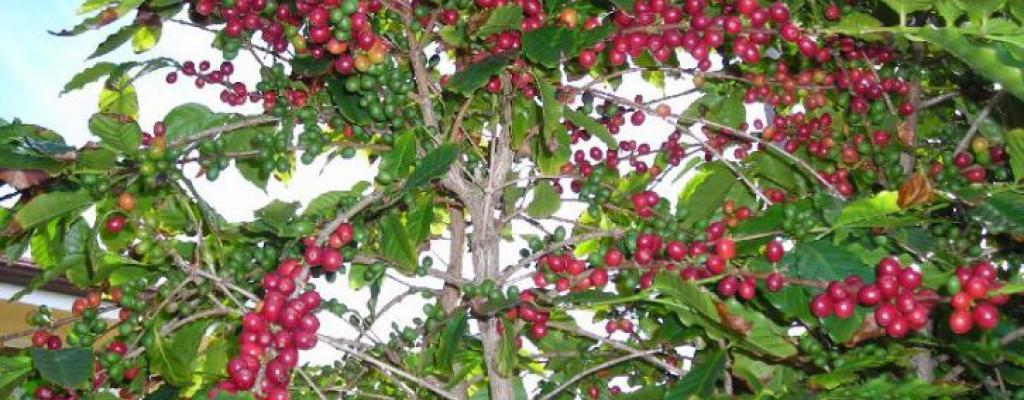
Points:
[[775, 281], [613, 258], [773, 251], [885, 314], [845, 308], [725, 248], [822, 305], [898, 328], [977, 287], [986, 316], [910, 279], [747, 289], [727, 286], [115, 223], [960, 321], [676, 250], [869, 295]]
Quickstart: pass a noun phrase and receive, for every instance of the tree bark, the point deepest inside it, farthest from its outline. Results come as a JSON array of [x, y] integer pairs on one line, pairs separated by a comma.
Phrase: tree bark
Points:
[[485, 250], [450, 295]]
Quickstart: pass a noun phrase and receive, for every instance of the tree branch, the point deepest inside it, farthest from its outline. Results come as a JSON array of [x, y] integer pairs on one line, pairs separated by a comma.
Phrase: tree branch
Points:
[[388, 368], [595, 369], [976, 124], [617, 345]]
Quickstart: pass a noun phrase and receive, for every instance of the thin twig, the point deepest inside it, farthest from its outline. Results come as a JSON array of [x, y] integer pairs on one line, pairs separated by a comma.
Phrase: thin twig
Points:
[[595, 369], [617, 345], [976, 124]]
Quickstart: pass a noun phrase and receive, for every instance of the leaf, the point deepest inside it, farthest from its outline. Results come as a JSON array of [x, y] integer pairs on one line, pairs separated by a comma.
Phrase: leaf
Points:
[[87, 76], [980, 9], [420, 218], [859, 20], [688, 294], [395, 163], [432, 166], [586, 39], [771, 167], [395, 244], [277, 214], [115, 40], [189, 119], [125, 137], [448, 343], [1015, 149], [172, 357], [551, 110], [166, 392], [546, 45], [122, 100], [700, 381], [591, 126], [476, 75], [869, 211], [13, 371], [69, 368], [545, 203], [48, 206], [501, 19], [507, 358], [704, 193], [1002, 212], [730, 111], [347, 103], [904, 7], [990, 60], [821, 260], [146, 37], [92, 5]]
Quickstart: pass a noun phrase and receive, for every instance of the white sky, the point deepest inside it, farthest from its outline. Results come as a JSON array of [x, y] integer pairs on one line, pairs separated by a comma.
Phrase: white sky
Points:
[[35, 67]]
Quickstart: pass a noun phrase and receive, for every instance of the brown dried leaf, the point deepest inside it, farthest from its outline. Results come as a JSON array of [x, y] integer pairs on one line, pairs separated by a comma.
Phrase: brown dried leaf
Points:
[[915, 191], [23, 178], [869, 329], [733, 322], [905, 133]]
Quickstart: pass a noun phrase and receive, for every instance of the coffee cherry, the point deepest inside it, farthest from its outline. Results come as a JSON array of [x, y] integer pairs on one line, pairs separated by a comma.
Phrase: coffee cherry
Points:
[[898, 328], [845, 308], [885, 314], [977, 287], [986, 316], [115, 223], [728, 286], [960, 321], [774, 251], [725, 248], [910, 279], [822, 305], [775, 281], [869, 295]]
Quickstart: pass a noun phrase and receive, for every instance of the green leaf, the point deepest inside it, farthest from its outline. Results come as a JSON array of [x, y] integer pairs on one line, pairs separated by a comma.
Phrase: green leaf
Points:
[[859, 20], [821, 260], [395, 244], [730, 111], [420, 218], [277, 214], [586, 39], [904, 7], [849, 371], [551, 110], [189, 119], [771, 167], [121, 100], [115, 40], [432, 166], [507, 357], [991, 60], [347, 103], [687, 293], [125, 137], [166, 392], [870, 211], [980, 9], [501, 19], [450, 340], [241, 140], [395, 163], [172, 357], [704, 193], [1015, 149], [545, 203], [1002, 212], [700, 381], [48, 206], [69, 368], [764, 337], [476, 75], [13, 371], [591, 126], [92, 5], [87, 76], [146, 37], [546, 45]]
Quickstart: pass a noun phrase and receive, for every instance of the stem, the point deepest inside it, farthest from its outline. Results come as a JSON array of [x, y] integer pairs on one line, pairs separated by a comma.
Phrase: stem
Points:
[[976, 125], [245, 123], [596, 369], [617, 345]]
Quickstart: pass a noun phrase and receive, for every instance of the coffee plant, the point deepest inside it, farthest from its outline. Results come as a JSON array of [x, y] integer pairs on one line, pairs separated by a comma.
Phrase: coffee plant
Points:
[[850, 222]]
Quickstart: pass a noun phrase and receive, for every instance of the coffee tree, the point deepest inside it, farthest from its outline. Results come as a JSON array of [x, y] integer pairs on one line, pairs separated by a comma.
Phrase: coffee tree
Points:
[[858, 238]]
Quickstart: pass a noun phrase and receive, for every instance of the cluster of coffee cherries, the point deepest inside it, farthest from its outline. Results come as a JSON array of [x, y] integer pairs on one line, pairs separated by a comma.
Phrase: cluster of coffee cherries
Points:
[[901, 304], [567, 272], [283, 323], [972, 301], [535, 317], [329, 257], [233, 94]]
